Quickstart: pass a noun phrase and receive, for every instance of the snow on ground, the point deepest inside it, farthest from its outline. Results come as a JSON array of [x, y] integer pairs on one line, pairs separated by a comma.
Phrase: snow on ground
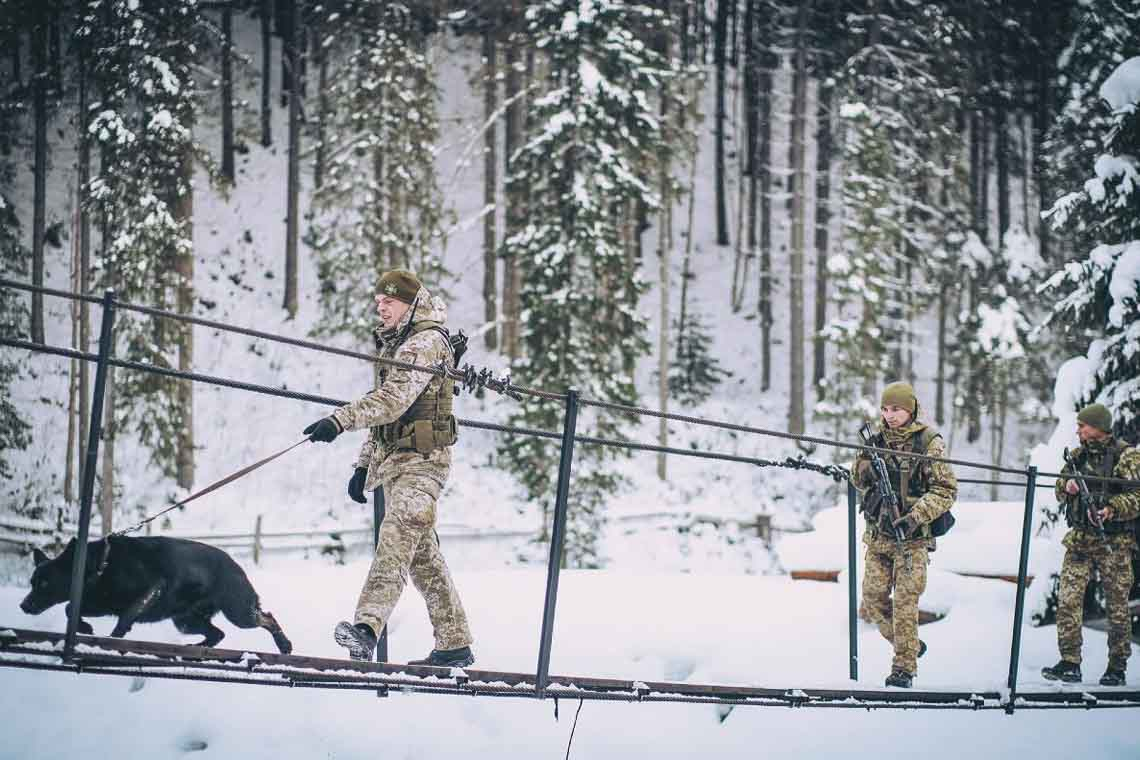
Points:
[[729, 628]]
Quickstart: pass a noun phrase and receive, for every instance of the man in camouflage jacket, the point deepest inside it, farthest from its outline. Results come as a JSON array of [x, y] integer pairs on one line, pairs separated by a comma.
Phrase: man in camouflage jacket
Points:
[[926, 489], [408, 453], [1108, 547]]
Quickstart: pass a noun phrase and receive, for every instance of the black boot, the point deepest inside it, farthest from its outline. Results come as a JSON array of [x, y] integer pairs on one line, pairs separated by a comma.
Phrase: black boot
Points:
[[447, 658], [359, 639], [900, 678], [1112, 677], [921, 647], [1069, 672]]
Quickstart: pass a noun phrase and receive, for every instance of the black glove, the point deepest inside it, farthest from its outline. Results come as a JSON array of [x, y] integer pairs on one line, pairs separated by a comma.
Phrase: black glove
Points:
[[323, 430], [909, 525], [356, 485]]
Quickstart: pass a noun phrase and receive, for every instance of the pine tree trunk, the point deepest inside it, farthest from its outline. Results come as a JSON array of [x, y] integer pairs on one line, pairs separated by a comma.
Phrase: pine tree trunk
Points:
[[1001, 150], [822, 237], [227, 95], [490, 185], [266, 72], [72, 367], [323, 108], [1042, 117], [184, 267], [110, 434], [83, 172], [940, 376], [796, 420], [512, 135], [719, 54], [751, 120], [39, 197], [764, 169], [293, 190]]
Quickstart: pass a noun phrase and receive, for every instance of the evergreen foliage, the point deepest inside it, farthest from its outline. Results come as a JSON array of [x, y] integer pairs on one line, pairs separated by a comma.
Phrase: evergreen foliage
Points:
[[380, 206], [695, 372], [1100, 294], [897, 155], [142, 57], [14, 430], [593, 140]]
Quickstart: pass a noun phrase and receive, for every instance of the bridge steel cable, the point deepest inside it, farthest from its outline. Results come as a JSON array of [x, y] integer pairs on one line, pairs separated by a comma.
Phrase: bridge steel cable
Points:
[[536, 393]]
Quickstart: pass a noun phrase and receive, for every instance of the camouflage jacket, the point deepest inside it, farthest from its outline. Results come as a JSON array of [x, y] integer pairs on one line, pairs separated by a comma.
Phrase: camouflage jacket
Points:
[[396, 390], [1124, 500], [938, 494]]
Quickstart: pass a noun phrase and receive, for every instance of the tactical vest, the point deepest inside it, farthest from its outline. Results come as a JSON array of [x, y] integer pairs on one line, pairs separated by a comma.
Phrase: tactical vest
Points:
[[916, 474], [428, 423], [1102, 466]]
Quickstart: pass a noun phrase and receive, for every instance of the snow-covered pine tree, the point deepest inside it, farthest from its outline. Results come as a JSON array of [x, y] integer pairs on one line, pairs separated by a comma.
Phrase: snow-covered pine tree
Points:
[[695, 371], [379, 206], [13, 324], [1100, 294], [142, 57], [594, 138], [895, 97]]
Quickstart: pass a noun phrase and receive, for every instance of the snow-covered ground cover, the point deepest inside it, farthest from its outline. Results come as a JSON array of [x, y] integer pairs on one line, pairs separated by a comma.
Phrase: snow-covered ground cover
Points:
[[696, 627]]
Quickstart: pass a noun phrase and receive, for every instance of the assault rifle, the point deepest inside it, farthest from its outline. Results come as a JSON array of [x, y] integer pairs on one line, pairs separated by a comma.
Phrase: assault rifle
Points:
[[881, 483], [1085, 499]]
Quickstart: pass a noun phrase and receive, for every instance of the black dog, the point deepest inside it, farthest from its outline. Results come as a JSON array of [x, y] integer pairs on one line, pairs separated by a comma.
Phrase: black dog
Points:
[[145, 580]]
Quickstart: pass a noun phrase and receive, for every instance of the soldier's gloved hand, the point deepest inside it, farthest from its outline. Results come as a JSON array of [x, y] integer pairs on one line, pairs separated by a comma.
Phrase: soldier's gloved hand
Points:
[[356, 485], [909, 525], [323, 430]]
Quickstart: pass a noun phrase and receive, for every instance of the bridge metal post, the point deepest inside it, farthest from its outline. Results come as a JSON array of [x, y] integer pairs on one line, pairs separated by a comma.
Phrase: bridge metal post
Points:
[[852, 613], [1022, 570], [378, 513], [87, 485], [557, 539]]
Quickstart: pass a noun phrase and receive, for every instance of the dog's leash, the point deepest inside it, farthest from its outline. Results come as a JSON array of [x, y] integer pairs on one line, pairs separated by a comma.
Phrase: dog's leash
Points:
[[212, 487]]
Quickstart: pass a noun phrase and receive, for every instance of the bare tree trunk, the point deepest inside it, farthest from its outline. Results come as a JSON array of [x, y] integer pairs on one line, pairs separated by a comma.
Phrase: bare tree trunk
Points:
[[719, 54], [822, 238], [321, 50], [227, 95], [512, 136], [184, 267], [764, 307], [1001, 150], [490, 186], [83, 173], [940, 377], [796, 418], [266, 72], [110, 433], [39, 197], [293, 190], [72, 366]]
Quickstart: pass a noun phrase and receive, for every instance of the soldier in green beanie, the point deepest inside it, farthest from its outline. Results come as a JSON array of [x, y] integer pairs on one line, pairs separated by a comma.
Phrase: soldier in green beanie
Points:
[[408, 454], [894, 574], [1106, 548]]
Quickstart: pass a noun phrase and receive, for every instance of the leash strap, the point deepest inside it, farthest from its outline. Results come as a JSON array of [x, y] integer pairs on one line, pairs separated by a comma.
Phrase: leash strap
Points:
[[212, 487]]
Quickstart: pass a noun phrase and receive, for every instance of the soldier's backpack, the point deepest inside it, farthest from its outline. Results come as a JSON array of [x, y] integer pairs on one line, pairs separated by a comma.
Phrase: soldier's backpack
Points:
[[945, 521]]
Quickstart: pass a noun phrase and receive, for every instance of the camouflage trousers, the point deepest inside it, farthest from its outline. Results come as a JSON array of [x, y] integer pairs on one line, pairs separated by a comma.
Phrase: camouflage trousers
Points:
[[409, 546], [1114, 563], [903, 572]]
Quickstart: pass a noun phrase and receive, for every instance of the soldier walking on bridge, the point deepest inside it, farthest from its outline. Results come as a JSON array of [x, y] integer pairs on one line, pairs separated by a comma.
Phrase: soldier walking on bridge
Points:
[[1102, 522], [894, 575], [408, 453]]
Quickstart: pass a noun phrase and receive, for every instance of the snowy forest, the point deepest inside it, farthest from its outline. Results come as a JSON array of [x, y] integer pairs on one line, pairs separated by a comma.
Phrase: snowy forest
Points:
[[668, 204]]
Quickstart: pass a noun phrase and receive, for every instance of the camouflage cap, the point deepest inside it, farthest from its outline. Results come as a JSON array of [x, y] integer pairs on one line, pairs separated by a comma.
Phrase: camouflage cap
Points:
[[400, 284], [901, 395], [1096, 415]]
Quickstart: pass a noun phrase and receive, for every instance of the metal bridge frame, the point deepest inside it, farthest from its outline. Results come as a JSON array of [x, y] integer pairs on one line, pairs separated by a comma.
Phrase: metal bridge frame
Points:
[[114, 656]]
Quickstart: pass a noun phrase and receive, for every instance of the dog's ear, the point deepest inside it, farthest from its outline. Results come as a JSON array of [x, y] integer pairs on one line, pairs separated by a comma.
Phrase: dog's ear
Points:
[[39, 557]]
